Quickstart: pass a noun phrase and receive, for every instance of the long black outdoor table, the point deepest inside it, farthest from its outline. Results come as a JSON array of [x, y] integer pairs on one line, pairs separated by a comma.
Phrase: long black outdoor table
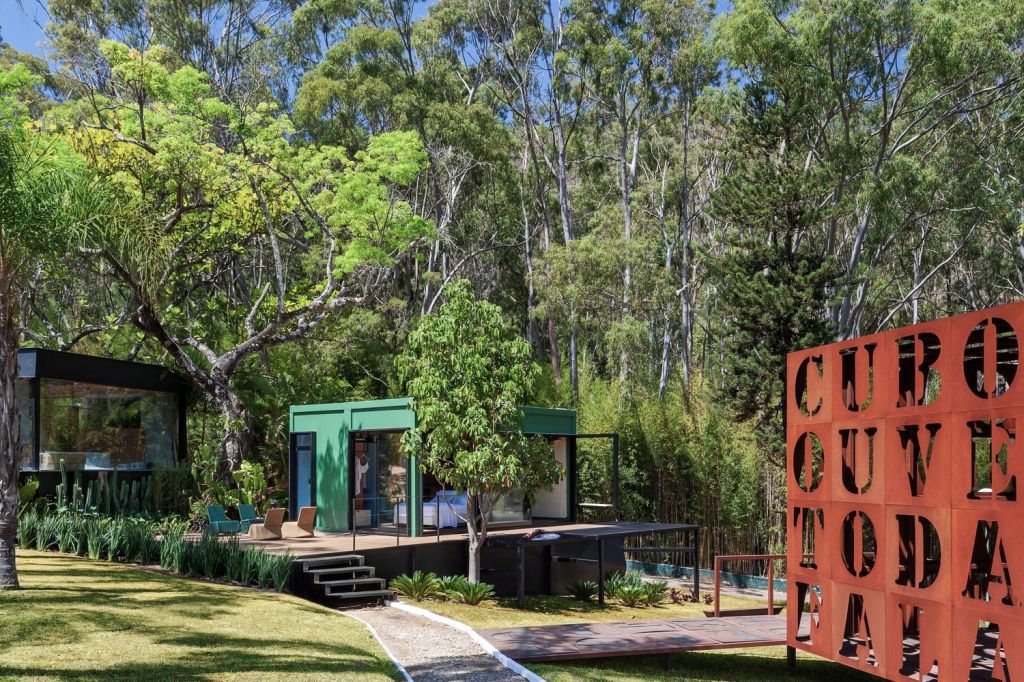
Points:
[[598, 534]]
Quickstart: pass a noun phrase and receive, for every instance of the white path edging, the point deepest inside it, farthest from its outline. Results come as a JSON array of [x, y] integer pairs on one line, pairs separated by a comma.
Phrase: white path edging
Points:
[[398, 664], [512, 665]]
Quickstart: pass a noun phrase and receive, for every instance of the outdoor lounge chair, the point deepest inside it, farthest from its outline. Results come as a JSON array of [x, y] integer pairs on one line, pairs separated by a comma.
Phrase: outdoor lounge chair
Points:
[[219, 522], [270, 528], [247, 516], [302, 527]]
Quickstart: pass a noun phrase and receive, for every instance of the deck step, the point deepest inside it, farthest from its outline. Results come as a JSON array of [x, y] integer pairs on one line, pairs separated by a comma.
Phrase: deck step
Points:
[[354, 570], [361, 594], [309, 564], [353, 581]]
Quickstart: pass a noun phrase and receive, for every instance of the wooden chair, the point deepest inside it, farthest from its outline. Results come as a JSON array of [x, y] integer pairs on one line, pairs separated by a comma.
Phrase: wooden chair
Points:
[[270, 529], [302, 527]]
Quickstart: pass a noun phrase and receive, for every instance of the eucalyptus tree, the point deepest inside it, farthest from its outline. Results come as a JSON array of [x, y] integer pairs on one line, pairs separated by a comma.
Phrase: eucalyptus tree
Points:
[[247, 238]]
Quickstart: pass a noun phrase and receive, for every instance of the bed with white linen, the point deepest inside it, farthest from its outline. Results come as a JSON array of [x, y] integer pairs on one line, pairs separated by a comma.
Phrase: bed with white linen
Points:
[[442, 511]]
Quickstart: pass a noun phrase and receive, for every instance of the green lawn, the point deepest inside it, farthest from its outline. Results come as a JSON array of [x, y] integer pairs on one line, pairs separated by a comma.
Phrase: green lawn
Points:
[[733, 665], [557, 610], [89, 620]]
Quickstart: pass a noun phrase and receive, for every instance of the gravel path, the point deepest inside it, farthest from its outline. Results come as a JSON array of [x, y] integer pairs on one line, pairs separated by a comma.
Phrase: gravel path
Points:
[[433, 652]]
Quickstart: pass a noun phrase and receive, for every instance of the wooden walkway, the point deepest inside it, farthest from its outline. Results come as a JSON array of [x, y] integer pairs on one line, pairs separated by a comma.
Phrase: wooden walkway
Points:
[[636, 638]]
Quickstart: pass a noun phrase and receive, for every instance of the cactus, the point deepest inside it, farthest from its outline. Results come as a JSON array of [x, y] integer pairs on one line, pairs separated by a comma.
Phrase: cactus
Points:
[[76, 492], [88, 495], [122, 496], [62, 487], [133, 498]]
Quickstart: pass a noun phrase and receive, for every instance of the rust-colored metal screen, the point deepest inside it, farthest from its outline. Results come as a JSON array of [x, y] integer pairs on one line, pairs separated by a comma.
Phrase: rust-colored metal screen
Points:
[[904, 525]]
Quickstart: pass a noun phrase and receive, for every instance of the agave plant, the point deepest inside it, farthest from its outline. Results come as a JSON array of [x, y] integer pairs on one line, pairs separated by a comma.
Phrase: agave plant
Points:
[[584, 590], [95, 538], [655, 593], [471, 593], [28, 527], [418, 586]]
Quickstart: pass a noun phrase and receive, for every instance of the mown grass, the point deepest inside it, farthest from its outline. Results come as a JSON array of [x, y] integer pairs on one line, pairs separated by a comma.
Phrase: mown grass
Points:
[[77, 619], [556, 610]]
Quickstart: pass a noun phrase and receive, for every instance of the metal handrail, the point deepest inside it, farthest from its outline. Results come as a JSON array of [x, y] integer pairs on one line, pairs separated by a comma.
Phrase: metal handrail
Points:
[[771, 558]]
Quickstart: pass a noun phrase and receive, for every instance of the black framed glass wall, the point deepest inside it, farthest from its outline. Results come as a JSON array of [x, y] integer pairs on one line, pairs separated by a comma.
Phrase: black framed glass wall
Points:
[[92, 426]]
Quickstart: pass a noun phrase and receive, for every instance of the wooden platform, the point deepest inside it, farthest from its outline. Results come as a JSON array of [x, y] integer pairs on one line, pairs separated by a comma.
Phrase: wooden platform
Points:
[[636, 638], [336, 543]]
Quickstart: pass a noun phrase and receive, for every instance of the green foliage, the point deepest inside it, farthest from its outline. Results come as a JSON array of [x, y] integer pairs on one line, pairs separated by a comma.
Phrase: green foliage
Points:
[[630, 589], [252, 485], [584, 590], [470, 593], [27, 492], [418, 586], [468, 375], [656, 592], [142, 541]]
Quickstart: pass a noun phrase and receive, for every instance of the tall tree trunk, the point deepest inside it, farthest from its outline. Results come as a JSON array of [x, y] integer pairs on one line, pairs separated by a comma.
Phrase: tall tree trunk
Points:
[[237, 429], [9, 432]]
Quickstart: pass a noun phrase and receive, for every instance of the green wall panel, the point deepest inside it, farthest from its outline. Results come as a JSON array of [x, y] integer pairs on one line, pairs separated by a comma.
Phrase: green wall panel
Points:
[[333, 422]]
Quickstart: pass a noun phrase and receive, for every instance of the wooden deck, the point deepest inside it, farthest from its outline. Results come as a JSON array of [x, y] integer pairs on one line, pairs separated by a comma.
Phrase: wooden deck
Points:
[[324, 543], [635, 638]]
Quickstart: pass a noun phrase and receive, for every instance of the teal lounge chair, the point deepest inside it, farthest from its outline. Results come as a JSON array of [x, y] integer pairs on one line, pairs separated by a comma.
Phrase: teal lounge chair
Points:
[[219, 522], [247, 516]]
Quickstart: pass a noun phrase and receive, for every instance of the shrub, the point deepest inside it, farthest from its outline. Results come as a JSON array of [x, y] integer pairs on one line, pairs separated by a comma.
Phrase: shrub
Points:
[[470, 593], [584, 590], [46, 532], [207, 557], [655, 593], [236, 563], [631, 595], [117, 530], [70, 534], [683, 596], [418, 586], [28, 527], [447, 583], [280, 570], [173, 550], [709, 598], [95, 538]]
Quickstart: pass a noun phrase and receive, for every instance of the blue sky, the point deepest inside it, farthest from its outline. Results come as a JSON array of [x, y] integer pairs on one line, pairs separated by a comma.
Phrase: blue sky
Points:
[[21, 26], [21, 23]]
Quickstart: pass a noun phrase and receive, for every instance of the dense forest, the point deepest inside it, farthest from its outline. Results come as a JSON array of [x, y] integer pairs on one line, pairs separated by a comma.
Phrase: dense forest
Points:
[[664, 196]]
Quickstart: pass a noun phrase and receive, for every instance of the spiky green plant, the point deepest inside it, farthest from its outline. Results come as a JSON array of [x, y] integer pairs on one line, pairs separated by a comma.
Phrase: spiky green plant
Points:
[[172, 549], [95, 538], [418, 586], [655, 593], [28, 528], [236, 563], [584, 590], [471, 593]]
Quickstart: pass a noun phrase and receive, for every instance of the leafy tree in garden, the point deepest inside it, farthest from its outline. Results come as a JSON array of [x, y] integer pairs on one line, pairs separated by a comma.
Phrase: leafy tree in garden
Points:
[[468, 374], [47, 196], [247, 238]]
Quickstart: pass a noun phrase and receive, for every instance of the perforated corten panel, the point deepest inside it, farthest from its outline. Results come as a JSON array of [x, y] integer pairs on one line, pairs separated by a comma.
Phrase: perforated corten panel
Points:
[[904, 460]]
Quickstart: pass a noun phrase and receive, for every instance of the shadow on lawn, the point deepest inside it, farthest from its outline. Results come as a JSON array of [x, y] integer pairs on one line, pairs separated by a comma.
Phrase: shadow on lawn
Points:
[[63, 607]]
